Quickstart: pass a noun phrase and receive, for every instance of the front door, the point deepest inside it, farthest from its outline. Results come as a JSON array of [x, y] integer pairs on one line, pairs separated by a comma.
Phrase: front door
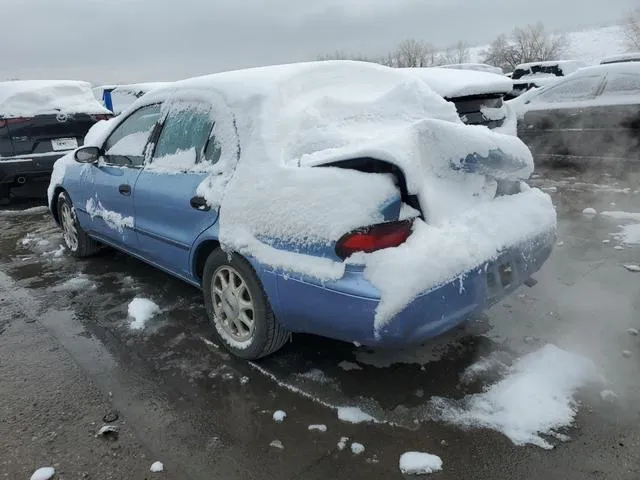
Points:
[[169, 213], [110, 208]]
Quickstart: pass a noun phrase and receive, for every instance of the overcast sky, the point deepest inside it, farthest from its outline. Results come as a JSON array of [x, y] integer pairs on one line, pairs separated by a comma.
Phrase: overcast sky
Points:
[[145, 40]]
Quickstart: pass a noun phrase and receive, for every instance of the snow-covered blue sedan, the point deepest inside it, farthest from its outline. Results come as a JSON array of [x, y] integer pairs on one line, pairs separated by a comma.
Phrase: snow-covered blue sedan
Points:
[[343, 199]]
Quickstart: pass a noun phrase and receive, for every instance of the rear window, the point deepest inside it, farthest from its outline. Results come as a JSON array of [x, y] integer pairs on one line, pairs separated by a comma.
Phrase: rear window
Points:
[[622, 84], [537, 69]]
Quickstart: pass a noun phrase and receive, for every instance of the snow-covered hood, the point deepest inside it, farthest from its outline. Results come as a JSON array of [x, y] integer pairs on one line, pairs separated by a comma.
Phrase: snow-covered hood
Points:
[[452, 83], [39, 97]]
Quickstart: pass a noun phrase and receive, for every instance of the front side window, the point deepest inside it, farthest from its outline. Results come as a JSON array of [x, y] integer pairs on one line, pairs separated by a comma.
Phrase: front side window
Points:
[[575, 89], [125, 146], [183, 139], [622, 84]]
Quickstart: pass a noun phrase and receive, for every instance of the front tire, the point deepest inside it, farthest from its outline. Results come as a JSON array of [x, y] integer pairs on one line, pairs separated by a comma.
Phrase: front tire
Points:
[[239, 309], [76, 240]]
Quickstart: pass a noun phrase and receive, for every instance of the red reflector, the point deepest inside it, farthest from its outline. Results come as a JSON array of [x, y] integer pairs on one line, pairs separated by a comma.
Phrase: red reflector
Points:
[[373, 238], [99, 117], [11, 121]]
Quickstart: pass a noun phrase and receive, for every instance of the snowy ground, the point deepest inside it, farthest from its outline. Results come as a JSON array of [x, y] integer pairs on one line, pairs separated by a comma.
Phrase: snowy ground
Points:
[[552, 366]]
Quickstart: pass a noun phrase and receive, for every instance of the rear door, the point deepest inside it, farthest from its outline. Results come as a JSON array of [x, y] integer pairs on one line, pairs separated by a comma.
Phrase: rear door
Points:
[[169, 213], [110, 208], [558, 121], [616, 117]]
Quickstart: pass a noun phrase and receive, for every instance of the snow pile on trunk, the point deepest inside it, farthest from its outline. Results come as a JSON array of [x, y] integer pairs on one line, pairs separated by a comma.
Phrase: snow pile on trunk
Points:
[[28, 98], [418, 463], [141, 310], [461, 83], [535, 398]]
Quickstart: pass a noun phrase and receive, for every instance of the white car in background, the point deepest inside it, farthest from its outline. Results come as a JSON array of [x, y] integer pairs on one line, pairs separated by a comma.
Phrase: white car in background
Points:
[[540, 74], [477, 67]]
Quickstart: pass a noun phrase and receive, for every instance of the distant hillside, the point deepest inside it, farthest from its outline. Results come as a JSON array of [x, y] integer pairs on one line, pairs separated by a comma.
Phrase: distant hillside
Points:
[[590, 46]]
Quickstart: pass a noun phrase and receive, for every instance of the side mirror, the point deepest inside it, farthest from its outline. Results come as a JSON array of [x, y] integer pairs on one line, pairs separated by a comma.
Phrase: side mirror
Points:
[[87, 155]]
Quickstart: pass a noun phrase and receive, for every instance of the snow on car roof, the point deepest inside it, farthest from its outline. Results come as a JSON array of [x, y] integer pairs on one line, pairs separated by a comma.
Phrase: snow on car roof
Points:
[[550, 63], [138, 88], [623, 57], [479, 67], [38, 97], [622, 67], [452, 83]]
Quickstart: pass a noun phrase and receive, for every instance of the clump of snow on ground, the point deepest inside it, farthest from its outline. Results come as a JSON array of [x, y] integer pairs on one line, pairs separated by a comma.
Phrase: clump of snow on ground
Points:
[[419, 463], [357, 448], [354, 415], [629, 234], [535, 398], [315, 375], [632, 267], [156, 467], [279, 416], [277, 444], [589, 211], [342, 443], [113, 219], [23, 213], [608, 396], [141, 310], [44, 473], [317, 428], [77, 283], [619, 215], [348, 366]]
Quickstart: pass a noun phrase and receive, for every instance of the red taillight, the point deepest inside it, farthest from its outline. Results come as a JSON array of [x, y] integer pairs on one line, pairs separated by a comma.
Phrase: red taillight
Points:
[[373, 238], [99, 117], [12, 121]]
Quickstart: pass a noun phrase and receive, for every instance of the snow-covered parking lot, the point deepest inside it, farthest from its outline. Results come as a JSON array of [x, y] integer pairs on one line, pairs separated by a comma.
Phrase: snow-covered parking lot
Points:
[[544, 385]]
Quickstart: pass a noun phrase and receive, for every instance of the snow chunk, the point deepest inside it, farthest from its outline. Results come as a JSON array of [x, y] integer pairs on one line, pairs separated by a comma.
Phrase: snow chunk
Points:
[[277, 444], [589, 211], [626, 353], [44, 473], [632, 267], [633, 331], [348, 366], [317, 428], [618, 215], [342, 443], [28, 98], [418, 463], [535, 398], [357, 448], [156, 467], [608, 396], [141, 310], [629, 234], [113, 220], [23, 213], [279, 416], [354, 415]]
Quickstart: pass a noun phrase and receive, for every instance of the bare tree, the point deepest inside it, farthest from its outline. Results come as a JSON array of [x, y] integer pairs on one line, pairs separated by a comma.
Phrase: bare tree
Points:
[[340, 55], [631, 29], [458, 53], [414, 53], [529, 44]]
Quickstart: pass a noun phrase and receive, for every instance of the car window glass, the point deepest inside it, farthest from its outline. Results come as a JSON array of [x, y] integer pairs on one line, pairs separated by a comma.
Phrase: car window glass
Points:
[[125, 146], [581, 88], [622, 84], [183, 137]]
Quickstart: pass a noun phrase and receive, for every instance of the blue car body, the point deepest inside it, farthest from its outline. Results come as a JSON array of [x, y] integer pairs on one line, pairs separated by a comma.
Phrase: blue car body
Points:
[[168, 232]]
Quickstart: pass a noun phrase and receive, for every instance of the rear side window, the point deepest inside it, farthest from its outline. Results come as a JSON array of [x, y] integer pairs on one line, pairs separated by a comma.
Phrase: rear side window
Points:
[[125, 146], [574, 89], [184, 139], [622, 84]]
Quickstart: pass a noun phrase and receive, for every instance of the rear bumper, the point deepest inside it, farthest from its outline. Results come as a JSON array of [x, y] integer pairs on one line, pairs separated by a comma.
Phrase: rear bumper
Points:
[[345, 310], [35, 167]]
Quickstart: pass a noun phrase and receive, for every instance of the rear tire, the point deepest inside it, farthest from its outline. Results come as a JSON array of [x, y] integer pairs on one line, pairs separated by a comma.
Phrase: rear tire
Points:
[[76, 240], [239, 309]]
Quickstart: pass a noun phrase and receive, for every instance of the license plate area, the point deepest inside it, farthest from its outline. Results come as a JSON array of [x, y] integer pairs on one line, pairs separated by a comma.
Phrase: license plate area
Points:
[[64, 144]]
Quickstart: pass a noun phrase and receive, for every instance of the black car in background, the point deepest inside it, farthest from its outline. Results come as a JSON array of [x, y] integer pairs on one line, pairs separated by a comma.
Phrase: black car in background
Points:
[[594, 112], [40, 121]]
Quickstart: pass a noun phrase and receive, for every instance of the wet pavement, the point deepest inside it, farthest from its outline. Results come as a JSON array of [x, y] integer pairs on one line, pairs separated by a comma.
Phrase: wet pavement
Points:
[[207, 415]]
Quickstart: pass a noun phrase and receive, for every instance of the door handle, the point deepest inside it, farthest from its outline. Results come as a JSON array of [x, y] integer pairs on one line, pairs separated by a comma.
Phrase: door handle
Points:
[[125, 190], [199, 203]]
